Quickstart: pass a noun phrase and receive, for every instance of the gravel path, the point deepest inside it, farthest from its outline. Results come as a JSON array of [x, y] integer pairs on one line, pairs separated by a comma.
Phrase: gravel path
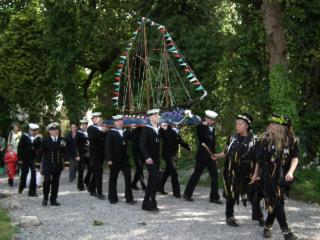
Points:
[[177, 218]]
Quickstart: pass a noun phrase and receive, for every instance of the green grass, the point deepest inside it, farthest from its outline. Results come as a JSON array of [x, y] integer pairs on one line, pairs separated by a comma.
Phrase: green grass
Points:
[[6, 229]]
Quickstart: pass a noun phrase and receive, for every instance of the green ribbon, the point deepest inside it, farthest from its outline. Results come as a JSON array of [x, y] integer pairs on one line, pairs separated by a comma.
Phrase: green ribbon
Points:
[[199, 88]]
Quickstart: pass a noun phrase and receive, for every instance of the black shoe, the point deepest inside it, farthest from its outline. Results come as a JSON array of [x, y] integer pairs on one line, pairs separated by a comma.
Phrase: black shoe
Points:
[[135, 187], [93, 194], [55, 203], [155, 209], [20, 191], [32, 195], [101, 196], [146, 208], [150, 209], [187, 198], [261, 222], [131, 202], [81, 189], [150, 206], [267, 232], [231, 221], [163, 192], [216, 201], [44, 202], [177, 195], [112, 201], [289, 235]]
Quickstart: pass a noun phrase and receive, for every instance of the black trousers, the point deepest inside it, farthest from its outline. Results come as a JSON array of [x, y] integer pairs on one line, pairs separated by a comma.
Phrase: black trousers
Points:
[[255, 199], [83, 164], [153, 184], [171, 170], [256, 209], [201, 163], [51, 184], [73, 168], [23, 178], [114, 172], [138, 175], [89, 174], [96, 181], [279, 213]]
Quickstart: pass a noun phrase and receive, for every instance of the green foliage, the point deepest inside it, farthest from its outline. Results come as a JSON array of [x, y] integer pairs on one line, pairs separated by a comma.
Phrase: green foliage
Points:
[[67, 51], [307, 185], [282, 94], [24, 82]]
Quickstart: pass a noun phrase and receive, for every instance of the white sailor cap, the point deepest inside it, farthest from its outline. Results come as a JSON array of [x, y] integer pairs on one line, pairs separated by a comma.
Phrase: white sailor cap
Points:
[[96, 114], [53, 126], [33, 126], [211, 114], [117, 117], [153, 112], [83, 121]]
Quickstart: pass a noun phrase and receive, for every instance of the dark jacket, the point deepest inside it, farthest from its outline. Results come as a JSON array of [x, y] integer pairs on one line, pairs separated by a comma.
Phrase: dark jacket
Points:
[[171, 141], [83, 144], [149, 143], [27, 149], [52, 154], [97, 141], [72, 145], [205, 136], [116, 146], [135, 137]]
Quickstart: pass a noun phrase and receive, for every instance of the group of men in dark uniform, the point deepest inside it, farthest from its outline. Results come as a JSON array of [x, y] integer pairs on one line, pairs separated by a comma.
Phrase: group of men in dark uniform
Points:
[[91, 146]]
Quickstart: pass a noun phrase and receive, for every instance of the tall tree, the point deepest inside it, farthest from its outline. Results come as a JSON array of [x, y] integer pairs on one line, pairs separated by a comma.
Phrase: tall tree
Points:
[[24, 81], [281, 91]]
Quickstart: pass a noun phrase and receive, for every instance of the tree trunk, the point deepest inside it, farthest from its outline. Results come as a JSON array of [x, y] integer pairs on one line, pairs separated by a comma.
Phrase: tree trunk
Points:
[[276, 39]]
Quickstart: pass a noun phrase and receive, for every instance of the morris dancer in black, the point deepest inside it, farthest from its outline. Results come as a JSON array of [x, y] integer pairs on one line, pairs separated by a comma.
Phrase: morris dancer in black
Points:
[[27, 151], [238, 170], [171, 139], [277, 156], [206, 138], [117, 159], [150, 149]]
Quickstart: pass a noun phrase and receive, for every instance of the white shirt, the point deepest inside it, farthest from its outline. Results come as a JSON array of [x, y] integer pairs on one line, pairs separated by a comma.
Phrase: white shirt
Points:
[[55, 139]]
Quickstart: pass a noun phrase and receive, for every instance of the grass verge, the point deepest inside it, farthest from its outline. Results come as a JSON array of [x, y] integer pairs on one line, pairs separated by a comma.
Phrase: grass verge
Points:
[[6, 229]]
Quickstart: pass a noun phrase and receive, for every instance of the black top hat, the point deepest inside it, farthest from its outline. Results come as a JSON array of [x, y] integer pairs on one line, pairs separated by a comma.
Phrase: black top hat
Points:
[[246, 117]]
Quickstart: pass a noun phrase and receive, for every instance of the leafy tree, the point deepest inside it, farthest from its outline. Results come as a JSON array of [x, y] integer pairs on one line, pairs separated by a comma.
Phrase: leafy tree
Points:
[[24, 81]]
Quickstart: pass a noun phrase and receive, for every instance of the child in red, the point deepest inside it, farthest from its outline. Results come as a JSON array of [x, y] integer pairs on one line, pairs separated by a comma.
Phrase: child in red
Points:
[[11, 159]]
